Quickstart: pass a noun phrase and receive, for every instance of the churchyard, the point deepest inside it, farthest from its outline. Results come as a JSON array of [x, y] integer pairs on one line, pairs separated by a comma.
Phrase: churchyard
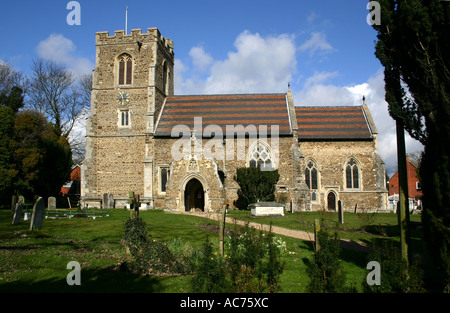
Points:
[[35, 259]]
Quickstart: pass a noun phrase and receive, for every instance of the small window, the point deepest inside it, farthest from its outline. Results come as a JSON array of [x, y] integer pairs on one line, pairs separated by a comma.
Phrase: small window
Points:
[[164, 175], [418, 186], [124, 118], [352, 175], [125, 70]]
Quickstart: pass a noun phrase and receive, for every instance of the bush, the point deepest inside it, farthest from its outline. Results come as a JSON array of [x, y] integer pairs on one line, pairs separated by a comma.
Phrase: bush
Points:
[[252, 263], [325, 271], [393, 273], [255, 185], [210, 274], [150, 256]]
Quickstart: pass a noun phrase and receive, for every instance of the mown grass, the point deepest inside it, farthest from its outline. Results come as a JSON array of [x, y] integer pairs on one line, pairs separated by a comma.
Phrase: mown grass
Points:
[[36, 261]]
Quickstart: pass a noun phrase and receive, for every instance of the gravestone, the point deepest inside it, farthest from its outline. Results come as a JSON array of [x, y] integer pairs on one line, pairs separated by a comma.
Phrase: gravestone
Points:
[[51, 203], [110, 201], [340, 212], [37, 216], [104, 200], [18, 211]]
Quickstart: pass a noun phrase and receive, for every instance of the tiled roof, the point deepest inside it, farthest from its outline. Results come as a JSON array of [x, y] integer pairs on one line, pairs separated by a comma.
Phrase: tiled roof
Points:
[[332, 123], [222, 110]]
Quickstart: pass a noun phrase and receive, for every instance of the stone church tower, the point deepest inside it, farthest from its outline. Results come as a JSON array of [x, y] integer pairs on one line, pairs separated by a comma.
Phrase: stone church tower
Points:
[[324, 155], [132, 77]]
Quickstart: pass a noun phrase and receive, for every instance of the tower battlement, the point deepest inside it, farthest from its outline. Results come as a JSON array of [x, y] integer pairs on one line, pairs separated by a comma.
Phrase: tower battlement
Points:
[[136, 35]]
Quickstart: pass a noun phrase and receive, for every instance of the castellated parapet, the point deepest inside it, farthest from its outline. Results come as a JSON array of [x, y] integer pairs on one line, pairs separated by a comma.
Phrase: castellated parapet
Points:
[[119, 37]]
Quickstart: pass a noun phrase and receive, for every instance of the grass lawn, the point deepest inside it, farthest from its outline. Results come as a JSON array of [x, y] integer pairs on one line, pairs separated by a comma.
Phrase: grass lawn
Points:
[[36, 261]]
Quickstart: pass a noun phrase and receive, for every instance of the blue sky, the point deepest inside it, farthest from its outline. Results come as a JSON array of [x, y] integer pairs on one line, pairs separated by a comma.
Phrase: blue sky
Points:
[[324, 48]]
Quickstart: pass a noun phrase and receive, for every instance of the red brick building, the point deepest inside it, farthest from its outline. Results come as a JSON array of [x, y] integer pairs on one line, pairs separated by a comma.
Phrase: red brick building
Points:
[[72, 187], [414, 188]]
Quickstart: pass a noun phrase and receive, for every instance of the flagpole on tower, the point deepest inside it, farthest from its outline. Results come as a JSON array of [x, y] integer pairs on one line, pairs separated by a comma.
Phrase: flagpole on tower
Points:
[[126, 20]]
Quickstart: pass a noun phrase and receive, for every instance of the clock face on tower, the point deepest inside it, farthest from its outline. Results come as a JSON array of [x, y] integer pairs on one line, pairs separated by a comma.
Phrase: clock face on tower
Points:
[[123, 98]]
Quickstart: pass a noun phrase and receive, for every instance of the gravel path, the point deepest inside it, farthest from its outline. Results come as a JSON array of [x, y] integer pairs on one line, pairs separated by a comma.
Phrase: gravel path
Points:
[[298, 234]]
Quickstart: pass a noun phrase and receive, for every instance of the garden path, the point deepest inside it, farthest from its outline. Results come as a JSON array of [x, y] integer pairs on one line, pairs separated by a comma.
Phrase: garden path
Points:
[[298, 234]]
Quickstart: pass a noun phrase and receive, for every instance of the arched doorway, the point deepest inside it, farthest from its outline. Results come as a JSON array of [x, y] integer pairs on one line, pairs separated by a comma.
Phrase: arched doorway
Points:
[[194, 196], [331, 201]]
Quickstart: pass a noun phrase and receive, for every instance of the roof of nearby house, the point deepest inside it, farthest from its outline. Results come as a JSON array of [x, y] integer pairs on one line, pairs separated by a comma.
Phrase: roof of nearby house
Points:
[[218, 111], [332, 123]]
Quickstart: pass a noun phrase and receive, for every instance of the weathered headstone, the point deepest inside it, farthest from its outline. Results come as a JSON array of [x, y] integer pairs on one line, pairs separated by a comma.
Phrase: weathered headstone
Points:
[[51, 203], [18, 211], [110, 201], [340, 212], [37, 216], [104, 200]]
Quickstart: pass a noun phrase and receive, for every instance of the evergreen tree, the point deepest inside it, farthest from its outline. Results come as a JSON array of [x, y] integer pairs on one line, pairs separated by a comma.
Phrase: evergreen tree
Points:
[[9, 105], [414, 47], [255, 185]]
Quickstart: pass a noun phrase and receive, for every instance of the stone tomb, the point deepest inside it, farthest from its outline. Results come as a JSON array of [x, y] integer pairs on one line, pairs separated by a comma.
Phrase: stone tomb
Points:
[[267, 209]]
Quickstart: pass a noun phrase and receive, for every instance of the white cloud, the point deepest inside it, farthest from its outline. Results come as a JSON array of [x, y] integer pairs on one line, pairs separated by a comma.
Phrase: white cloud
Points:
[[62, 50], [259, 64], [316, 93], [317, 43], [200, 59]]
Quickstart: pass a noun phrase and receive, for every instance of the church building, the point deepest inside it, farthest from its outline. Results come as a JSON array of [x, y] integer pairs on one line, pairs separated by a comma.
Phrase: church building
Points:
[[181, 152]]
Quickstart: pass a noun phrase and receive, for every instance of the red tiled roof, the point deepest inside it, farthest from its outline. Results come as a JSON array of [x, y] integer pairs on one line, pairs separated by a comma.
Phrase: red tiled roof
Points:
[[223, 110], [332, 123]]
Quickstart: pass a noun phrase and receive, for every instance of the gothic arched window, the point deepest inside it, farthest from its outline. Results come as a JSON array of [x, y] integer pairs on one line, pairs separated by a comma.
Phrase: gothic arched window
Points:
[[311, 179], [260, 156], [125, 69], [352, 174]]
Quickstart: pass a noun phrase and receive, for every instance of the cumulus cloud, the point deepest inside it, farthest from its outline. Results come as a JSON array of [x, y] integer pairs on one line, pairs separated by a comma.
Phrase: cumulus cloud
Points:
[[258, 64], [317, 43], [62, 50]]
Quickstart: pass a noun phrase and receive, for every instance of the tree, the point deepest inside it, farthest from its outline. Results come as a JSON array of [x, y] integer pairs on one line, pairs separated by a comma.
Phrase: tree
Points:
[[55, 92], [10, 103], [10, 78], [41, 159], [255, 185], [414, 48]]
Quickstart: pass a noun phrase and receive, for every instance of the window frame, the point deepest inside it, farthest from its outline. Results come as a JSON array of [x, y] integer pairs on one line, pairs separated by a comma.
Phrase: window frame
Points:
[[257, 161], [125, 69], [166, 167], [352, 178], [314, 192]]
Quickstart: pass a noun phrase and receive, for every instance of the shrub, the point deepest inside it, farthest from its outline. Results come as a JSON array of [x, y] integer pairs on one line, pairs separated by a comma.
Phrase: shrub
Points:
[[255, 185], [393, 272], [149, 256], [325, 271], [210, 274]]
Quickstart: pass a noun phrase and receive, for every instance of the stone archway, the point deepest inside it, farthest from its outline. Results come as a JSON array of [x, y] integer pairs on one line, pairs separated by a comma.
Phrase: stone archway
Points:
[[331, 201], [194, 196]]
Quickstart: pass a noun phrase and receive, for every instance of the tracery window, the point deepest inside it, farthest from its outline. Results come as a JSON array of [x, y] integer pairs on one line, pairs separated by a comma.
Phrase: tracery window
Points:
[[352, 175], [260, 156], [311, 179], [125, 69]]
